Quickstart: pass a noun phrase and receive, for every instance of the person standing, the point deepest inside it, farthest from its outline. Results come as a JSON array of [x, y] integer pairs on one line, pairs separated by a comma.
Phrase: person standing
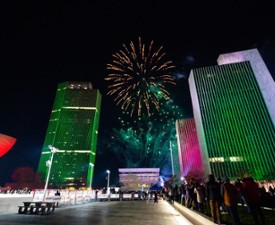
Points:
[[120, 192], [238, 185], [213, 196], [96, 194], [200, 193], [250, 191], [221, 203], [155, 197], [189, 194], [230, 199], [148, 196], [171, 195]]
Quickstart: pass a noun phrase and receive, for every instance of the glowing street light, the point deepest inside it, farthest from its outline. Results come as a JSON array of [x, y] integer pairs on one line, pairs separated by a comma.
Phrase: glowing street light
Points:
[[108, 180], [49, 165], [91, 174], [172, 159]]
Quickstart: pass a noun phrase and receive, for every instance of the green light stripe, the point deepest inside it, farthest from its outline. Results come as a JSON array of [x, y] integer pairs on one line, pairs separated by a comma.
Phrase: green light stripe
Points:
[[235, 120]]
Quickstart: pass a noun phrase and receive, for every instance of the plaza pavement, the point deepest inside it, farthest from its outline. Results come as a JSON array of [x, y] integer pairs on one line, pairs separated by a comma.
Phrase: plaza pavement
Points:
[[103, 213]]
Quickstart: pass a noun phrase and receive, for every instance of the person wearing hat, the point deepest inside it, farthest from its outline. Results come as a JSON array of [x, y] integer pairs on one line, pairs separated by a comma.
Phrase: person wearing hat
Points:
[[230, 198]]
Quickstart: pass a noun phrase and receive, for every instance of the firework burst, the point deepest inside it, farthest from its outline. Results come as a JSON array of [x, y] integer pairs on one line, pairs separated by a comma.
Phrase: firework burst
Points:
[[139, 75]]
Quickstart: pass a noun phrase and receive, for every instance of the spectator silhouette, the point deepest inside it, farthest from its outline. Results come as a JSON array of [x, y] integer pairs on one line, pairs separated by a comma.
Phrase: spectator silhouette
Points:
[[230, 199], [251, 195], [213, 197], [199, 190], [189, 195], [155, 197], [238, 186]]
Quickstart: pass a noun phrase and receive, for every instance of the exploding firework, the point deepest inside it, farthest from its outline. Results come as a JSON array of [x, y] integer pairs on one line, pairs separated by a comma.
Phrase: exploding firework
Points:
[[145, 141], [139, 75]]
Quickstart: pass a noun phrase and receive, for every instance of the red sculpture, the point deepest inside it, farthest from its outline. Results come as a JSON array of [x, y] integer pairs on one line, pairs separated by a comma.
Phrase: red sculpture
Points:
[[6, 143]]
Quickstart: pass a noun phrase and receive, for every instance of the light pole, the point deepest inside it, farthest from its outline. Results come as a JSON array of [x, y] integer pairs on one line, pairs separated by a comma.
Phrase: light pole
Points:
[[172, 159], [49, 164], [108, 181], [91, 174], [182, 195]]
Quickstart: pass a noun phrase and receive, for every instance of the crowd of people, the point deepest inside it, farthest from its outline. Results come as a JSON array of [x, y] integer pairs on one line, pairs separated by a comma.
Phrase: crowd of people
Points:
[[223, 196]]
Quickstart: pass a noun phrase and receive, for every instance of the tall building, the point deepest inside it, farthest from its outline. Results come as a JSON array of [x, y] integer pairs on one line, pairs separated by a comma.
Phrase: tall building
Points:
[[190, 159], [233, 105], [261, 72], [73, 130]]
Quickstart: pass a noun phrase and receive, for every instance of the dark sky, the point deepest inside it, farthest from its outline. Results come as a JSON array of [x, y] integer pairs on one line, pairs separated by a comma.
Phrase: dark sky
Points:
[[43, 44]]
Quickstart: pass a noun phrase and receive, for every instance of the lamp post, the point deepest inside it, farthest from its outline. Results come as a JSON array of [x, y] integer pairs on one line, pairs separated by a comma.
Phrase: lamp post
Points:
[[172, 159], [108, 180], [182, 195], [49, 165], [91, 174]]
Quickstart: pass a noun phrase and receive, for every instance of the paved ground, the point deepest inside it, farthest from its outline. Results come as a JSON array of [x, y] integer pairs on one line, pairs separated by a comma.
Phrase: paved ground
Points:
[[103, 213]]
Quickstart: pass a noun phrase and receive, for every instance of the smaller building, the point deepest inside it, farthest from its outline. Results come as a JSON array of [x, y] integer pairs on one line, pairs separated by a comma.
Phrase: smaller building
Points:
[[138, 179]]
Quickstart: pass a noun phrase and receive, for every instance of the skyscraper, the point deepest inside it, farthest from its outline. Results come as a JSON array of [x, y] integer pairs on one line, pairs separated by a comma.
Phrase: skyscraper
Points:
[[190, 159], [234, 114], [73, 130]]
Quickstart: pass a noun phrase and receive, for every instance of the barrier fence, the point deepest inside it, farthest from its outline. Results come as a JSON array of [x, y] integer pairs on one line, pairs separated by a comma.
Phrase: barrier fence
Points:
[[80, 196]]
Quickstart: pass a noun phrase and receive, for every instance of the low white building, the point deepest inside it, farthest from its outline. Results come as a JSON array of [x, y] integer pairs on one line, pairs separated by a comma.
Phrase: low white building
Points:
[[138, 179]]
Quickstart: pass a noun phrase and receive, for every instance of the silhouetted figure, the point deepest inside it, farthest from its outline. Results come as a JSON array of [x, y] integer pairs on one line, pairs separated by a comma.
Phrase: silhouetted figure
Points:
[[238, 185], [250, 190], [230, 199], [200, 193], [189, 195], [171, 195], [213, 196], [120, 195], [57, 193], [96, 194], [155, 198]]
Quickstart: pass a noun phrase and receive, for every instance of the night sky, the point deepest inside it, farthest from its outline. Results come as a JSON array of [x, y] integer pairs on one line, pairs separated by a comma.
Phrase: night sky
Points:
[[43, 44]]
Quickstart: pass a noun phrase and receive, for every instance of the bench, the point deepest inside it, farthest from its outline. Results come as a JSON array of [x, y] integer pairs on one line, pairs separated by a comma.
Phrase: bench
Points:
[[42, 208]]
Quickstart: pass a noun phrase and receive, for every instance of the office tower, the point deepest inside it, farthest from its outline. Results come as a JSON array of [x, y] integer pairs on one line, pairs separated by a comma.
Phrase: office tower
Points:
[[262, 74], [190, 159], [234, 113], [73, 130]]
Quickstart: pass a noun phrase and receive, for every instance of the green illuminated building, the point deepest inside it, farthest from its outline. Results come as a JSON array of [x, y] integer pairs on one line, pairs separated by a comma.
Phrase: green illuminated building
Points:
[[73, 130], [234, 114]]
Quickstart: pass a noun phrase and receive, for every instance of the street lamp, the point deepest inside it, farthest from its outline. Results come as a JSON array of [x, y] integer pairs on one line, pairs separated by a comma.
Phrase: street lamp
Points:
[[91, 174], [49, 164], [172, 159], [108, 180]]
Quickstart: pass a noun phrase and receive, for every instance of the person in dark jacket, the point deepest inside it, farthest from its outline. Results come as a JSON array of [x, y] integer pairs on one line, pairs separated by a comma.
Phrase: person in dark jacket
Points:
[[250, 191], [213, 197], [155, 197]]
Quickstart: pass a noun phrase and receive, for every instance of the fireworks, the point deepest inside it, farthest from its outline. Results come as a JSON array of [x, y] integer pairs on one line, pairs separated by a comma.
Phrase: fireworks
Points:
[[146, 140], [138, 76]]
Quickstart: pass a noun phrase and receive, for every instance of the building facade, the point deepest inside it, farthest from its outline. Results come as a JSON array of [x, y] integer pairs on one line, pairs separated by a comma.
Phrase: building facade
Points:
[[138, 179], [190, 159], [234, 114], [73, 131]]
